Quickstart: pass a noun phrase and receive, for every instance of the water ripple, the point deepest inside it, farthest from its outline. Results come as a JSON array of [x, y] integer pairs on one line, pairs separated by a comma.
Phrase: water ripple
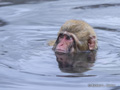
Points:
[[97, 6]]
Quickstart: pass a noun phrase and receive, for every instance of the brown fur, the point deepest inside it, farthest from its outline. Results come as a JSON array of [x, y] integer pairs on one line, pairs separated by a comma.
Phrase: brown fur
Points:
[[81, 32]]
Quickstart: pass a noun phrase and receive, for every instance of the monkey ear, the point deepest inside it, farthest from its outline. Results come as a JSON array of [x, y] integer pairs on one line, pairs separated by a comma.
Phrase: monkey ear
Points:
[[91, 43]]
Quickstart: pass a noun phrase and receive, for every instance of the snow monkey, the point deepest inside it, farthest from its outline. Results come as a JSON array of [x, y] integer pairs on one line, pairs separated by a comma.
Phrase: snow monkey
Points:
[[75, 36]]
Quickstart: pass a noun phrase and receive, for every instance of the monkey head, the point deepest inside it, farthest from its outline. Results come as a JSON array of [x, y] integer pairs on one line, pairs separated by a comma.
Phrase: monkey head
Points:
[[75, 36]]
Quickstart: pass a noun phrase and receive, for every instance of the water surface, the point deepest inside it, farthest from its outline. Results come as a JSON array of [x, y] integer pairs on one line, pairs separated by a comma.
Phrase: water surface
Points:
[[27, 62]]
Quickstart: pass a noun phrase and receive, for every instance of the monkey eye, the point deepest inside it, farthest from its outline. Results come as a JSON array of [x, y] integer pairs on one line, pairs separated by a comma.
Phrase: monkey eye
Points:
[[68, 37], [61, 35]]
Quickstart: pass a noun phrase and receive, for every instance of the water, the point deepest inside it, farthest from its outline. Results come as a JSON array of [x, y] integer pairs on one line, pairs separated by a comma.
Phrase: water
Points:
[[28, 63]]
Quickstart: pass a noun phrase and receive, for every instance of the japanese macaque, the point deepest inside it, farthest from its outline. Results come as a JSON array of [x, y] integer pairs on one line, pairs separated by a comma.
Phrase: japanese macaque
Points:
[[76, 62], [75, 36]]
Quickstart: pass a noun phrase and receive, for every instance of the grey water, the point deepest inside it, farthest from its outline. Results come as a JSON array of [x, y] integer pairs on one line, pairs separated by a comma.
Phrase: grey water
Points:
[[28, 63]]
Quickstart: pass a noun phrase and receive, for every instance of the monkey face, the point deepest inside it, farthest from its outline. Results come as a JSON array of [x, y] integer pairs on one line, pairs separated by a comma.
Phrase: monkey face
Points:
[[65, 43]]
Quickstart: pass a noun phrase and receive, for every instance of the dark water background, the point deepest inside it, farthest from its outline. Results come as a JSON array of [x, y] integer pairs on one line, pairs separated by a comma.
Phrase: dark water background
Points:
[[28, 63]]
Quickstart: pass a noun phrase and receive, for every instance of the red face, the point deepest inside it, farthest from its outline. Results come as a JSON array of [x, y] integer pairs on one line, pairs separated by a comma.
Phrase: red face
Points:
[[65, 43]]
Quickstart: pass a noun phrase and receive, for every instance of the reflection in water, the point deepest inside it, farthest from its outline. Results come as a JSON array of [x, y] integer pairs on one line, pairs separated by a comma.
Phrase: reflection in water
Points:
[[74, 63]]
